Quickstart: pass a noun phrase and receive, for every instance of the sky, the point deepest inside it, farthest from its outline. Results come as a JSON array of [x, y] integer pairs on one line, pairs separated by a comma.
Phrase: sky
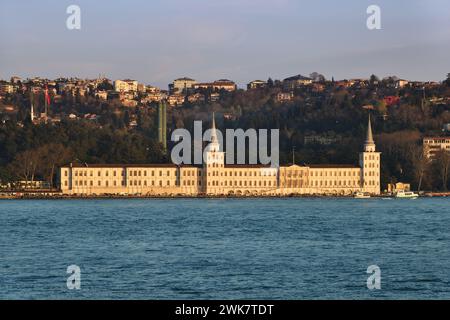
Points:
[[158, 41]]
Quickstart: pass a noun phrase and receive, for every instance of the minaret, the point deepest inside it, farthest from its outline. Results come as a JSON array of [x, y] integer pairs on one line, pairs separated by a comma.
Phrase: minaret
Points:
[[214, 146], [369, 144], [162, 124], [214, 162], [31, 107], [369, 161]]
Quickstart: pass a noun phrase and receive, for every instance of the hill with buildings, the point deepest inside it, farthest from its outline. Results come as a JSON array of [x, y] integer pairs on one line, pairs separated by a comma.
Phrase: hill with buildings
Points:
[[48, 123]]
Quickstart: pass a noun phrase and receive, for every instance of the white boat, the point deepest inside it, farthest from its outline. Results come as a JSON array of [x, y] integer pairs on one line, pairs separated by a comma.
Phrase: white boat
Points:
[[406, 194], [361, 195]]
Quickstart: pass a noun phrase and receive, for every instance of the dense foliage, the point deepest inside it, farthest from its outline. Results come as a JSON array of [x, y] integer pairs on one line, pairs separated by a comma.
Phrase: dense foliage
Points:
[[334, 111]]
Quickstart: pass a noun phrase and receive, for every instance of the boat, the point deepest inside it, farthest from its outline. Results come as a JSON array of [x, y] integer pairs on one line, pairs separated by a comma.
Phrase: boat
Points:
[[361, 195], [406, 194]]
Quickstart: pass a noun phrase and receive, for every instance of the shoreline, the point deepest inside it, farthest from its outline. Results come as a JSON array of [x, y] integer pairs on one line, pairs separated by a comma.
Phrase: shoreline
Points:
[[58, 196]]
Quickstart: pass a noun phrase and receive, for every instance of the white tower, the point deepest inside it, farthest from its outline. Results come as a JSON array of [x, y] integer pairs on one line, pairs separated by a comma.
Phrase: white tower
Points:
[[213, 164], [32, 112], [31, 107], [369, 161]]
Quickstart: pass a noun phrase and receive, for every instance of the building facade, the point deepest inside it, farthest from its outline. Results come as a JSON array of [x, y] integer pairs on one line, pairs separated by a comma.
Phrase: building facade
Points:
[[222, 84], [284, 96], [256, 84], [126, 85], [296, 82], [433, 145], [182, 85], [216, 178]]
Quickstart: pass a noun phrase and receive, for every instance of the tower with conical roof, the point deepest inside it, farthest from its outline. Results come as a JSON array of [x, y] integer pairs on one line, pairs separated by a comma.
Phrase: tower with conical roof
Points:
[[369, 144], [214, 146], [369, 161], [213, 164]]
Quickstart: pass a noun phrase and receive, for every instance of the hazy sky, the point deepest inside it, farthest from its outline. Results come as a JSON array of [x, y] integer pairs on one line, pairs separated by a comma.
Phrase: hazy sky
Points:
[[159, 40]]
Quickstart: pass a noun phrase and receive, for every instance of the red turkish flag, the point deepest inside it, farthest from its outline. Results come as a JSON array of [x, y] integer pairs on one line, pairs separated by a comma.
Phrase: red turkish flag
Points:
[[47, 96]]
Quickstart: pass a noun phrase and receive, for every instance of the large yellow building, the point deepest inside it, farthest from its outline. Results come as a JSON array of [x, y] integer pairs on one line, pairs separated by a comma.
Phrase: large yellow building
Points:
[[216, 178]]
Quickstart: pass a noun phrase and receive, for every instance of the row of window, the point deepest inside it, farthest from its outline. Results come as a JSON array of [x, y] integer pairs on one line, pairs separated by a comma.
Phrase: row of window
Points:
[[85, 183], [84, 173], [243, 174], [241, 183], [139, 173], [326, 183], [296, 174], [439, 147], [294, 184], [216, 165], [437, 141], [132, 173], [334, 173], [150, 183], [244, 183]]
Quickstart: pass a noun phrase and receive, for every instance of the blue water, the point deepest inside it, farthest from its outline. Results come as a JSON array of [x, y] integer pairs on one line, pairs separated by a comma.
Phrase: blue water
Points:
[[225, 249]]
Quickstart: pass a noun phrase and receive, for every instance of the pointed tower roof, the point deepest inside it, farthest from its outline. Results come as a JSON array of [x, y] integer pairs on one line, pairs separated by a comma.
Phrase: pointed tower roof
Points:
[[369, 137], [213, 130]]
